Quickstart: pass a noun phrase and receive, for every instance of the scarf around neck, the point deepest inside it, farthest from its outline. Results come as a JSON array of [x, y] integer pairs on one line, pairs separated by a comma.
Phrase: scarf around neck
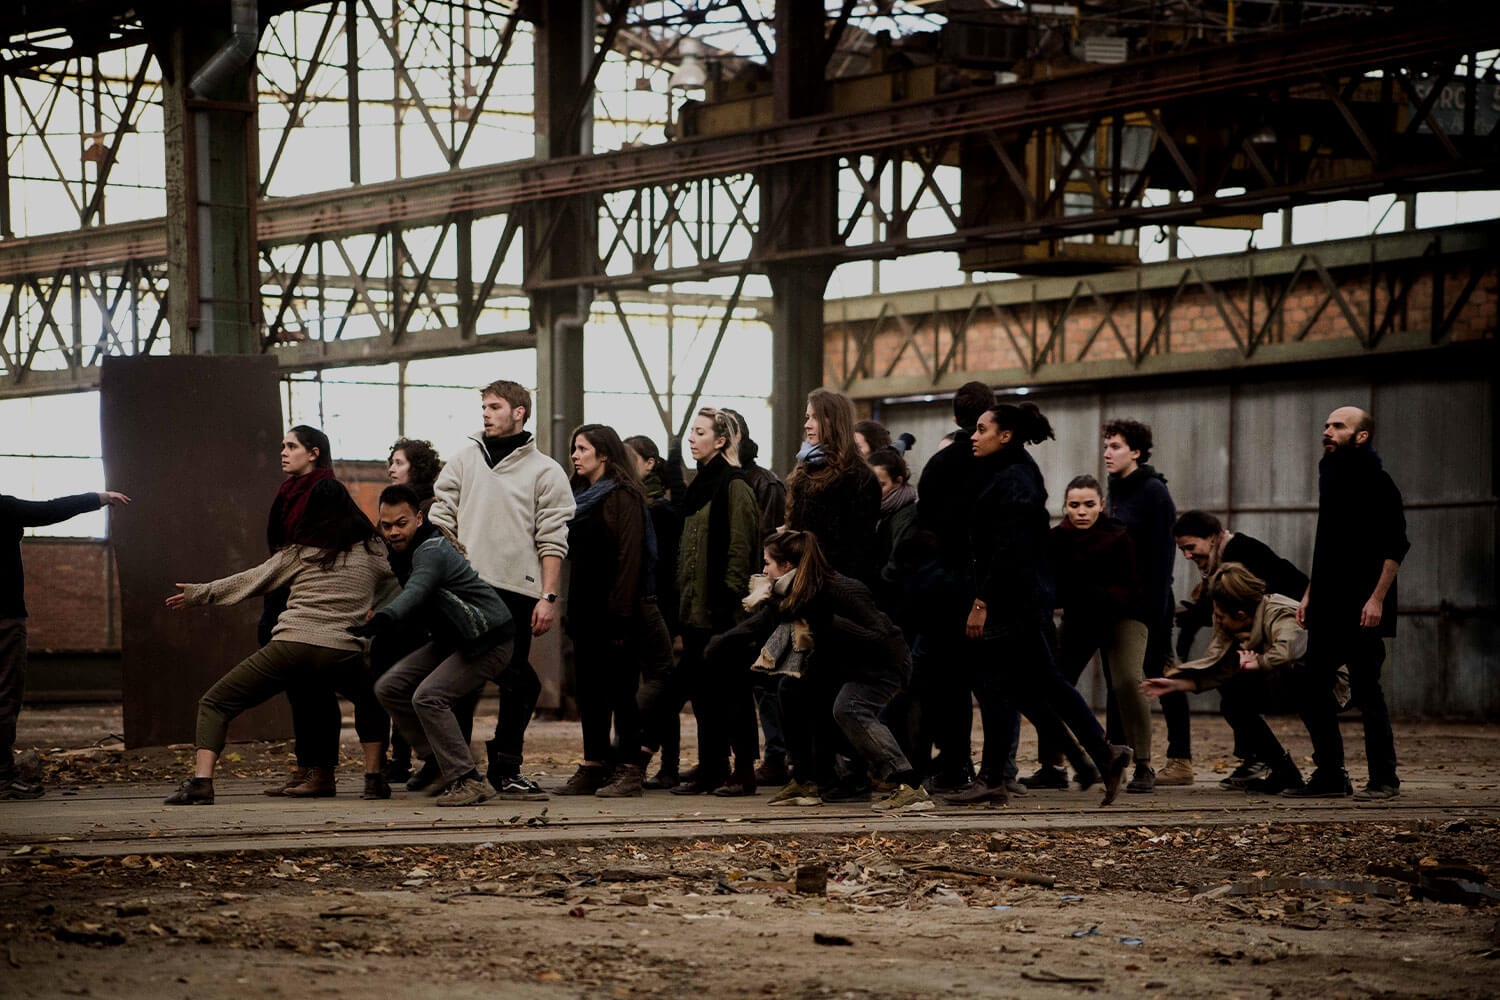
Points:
[[712, 478], [290, 504], [812, 454], [897, 498], [587, 500]]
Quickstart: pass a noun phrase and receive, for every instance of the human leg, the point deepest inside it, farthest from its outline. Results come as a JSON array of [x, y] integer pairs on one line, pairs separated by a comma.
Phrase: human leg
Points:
[[1366, 658], [396, 687], [1124, 654], [1174, 706], [12, 690], [454, 678], [519, 690], [856, 709]]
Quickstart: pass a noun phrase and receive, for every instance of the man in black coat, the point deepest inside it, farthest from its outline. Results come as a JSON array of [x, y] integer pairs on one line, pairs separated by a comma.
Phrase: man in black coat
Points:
[[945, 495], [1349, 608], [15, 516]]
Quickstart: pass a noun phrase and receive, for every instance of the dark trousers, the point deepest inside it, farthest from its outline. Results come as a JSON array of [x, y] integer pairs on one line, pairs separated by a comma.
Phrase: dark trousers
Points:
[[1241, 701], [1363, 652], [1174, 706], [943, 703], [723, 705], [608, 676], [1015, 671], [813, 738], [768, 707], [280, 666], [12, 688], [662, 693]]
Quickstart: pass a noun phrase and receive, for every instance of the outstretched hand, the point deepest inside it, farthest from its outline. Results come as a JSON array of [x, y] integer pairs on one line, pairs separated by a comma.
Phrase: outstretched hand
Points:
[[1155, 687], [177, 601], [109, 498]]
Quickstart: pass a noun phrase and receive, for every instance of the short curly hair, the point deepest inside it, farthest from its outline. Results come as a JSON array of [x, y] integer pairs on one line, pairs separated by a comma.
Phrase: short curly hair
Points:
[[1136, 435], [423, 458]]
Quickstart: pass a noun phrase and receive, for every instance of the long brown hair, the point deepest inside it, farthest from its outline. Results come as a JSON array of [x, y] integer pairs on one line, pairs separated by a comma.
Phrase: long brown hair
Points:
[[801, 550], [835, 416], [617, 464]]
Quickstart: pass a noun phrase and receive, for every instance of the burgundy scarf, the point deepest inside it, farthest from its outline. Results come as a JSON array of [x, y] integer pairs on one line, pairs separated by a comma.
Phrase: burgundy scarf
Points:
[[290, 505]]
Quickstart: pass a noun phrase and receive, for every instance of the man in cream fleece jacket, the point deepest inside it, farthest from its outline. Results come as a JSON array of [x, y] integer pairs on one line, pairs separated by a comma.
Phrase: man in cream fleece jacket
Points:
[[510, 504]]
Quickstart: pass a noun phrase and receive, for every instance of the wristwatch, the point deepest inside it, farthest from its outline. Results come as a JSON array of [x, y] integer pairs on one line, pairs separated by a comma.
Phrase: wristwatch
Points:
[[550, 598]]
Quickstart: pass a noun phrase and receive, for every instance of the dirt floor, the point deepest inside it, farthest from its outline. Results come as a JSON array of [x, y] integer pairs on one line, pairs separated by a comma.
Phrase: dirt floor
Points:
[[1224, 899]]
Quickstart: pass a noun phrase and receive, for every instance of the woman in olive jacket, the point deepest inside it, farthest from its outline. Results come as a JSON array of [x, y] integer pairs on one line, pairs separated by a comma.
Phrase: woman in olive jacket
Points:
[[720, 536]]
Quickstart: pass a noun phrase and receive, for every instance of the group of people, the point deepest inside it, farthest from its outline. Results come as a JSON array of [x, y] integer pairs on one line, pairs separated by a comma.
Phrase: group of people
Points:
[[831, 631]]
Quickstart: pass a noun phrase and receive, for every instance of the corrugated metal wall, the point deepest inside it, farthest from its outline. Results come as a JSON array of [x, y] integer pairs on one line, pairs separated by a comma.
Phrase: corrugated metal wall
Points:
[[1248, 451]]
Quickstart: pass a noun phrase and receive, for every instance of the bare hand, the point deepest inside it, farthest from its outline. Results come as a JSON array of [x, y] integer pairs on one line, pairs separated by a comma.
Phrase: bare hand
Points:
[[1370, 615], [974, 627], [1302, 609], [109, 498], [1155, 687], [1248, 660], [542, 616], [177, 601]]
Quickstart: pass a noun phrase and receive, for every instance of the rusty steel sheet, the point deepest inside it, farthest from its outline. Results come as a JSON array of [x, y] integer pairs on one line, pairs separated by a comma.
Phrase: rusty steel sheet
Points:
[[194, 441]]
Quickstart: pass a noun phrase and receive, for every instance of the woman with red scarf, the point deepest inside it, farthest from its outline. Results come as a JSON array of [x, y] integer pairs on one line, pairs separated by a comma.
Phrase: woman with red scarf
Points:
[[307, 460]]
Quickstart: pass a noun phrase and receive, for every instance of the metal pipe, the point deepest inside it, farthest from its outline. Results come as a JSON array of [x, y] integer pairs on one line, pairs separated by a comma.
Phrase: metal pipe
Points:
[[235, 53]]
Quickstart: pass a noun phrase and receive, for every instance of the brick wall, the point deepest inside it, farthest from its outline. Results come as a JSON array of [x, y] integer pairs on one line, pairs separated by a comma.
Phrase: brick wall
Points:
[[72, 594], [1196, 324]]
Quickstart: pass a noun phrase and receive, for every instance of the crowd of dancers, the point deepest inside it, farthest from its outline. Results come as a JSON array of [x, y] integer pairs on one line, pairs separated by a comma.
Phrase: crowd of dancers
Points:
[[831, 631]]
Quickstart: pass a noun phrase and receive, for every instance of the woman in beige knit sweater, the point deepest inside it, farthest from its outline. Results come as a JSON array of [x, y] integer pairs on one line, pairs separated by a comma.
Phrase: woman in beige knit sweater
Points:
[[335, 567]]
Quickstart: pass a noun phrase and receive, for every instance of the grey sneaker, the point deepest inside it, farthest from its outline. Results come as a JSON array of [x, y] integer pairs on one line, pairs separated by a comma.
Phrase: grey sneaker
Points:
[[797, 793], [14, 787], [465, 792], [905, 799]]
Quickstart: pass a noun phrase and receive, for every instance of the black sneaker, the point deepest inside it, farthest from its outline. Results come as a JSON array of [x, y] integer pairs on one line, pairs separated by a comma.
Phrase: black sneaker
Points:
[[1281, 777], [1323, 785], [846, 793], [1248, 771], [1047, 777], [1377, 791], [519, 789], [1142, 781], [662, 780], [429, 778], [15, 788]]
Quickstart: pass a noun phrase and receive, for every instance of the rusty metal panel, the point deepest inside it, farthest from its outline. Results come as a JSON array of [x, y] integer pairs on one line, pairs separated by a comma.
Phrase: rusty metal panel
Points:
[[194, 441]]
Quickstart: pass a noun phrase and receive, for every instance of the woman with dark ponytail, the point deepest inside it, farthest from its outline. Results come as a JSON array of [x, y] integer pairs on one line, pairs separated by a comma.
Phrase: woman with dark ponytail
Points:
[[1008, 529]]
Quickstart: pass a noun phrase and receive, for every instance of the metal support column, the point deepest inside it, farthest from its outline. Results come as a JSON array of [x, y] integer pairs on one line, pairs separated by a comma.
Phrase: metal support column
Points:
[[797, 210], [561, 234], [212, 171]]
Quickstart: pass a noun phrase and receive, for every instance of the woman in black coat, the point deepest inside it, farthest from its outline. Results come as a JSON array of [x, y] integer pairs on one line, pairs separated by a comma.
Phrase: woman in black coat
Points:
[[832, 492], [612, 553], [1099, 594], [1012, 594], [858, 663]]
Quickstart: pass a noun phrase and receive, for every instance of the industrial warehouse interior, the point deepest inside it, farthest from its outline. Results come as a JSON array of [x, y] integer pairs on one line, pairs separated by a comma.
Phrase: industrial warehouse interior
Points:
[[791, 498]]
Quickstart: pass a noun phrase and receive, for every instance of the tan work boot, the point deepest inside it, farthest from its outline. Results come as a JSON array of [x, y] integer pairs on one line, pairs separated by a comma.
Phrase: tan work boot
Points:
[[1179, 771]]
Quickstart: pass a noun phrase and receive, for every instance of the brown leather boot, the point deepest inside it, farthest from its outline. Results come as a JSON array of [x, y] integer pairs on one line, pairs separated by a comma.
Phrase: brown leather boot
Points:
[[319, 784], [297, 777]]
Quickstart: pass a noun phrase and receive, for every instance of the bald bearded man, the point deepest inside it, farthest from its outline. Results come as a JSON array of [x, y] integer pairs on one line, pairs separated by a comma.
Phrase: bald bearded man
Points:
[[1350, 605]]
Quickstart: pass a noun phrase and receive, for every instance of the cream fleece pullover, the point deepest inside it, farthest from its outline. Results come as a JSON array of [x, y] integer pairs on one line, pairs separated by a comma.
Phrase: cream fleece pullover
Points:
[[507, 517], [323, 603]]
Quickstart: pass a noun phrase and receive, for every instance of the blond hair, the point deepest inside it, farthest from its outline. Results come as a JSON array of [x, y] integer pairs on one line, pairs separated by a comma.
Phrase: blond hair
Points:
[[1236, 590]]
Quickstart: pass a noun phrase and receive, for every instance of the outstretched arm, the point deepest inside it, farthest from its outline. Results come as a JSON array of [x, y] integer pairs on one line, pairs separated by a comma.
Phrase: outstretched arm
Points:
[[38, 513]]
